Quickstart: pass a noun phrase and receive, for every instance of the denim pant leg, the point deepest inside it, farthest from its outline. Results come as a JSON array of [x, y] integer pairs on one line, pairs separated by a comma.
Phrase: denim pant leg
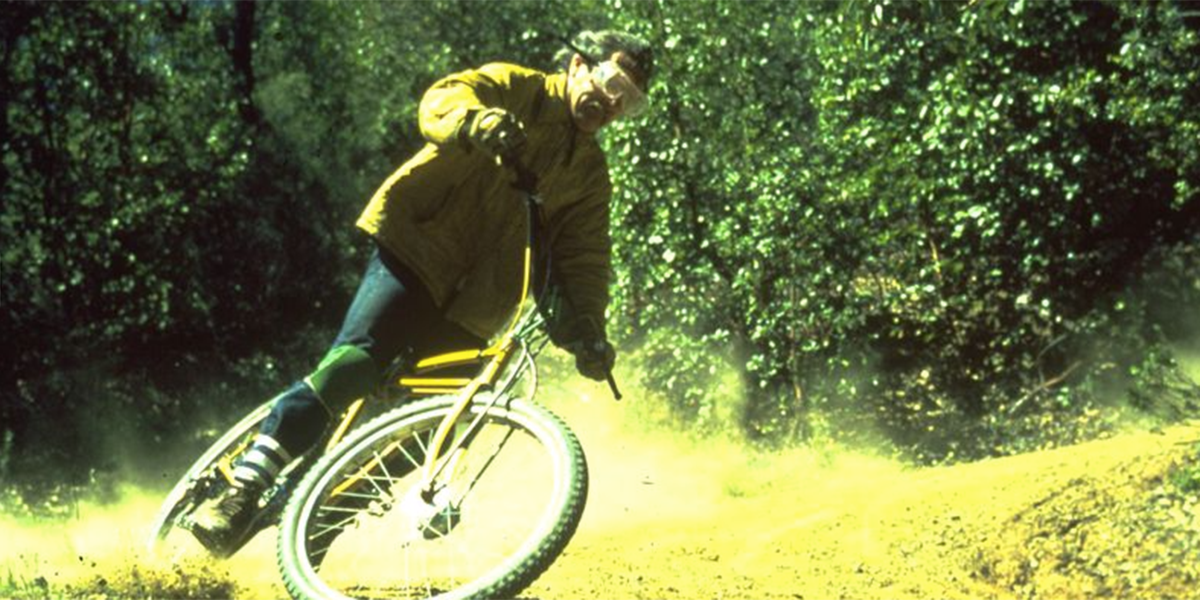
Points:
[[391, 312]]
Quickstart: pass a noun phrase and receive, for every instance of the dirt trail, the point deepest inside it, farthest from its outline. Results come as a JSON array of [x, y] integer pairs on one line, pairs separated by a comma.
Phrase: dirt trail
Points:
[[667, 519], [1086, 521]]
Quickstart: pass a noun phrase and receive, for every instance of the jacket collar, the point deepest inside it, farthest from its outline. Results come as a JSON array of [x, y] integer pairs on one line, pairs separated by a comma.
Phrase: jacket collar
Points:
[[557, 108]]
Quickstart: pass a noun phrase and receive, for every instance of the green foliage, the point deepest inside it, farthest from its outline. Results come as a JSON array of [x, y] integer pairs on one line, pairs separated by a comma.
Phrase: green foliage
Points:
[[918, 210], [945, 221]]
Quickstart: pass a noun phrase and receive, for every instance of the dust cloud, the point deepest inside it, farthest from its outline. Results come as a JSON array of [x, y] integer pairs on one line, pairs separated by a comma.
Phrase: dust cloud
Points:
[[98, 548], [641, 475], [673, 515]]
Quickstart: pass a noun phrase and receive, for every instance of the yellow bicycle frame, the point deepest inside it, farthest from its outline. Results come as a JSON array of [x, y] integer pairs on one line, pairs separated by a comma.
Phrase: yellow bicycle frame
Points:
[[495, 357]]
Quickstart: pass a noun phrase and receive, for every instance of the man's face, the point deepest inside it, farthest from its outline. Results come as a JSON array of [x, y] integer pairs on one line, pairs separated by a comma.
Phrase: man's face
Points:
[[591, 107]]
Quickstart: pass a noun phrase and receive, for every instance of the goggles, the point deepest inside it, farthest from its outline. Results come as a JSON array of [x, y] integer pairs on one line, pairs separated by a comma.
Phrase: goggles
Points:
[[620, 89]]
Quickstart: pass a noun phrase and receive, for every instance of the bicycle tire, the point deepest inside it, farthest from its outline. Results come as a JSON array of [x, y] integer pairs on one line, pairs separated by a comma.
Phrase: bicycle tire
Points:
[[538, 549], [179, 499]]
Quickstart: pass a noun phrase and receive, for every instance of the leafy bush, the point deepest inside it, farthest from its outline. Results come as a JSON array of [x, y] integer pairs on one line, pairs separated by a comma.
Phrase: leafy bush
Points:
[[939, 221], [922, 211]]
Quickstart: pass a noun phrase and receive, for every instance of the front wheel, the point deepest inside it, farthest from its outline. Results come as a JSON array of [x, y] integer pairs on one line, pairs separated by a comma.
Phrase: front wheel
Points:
[[361, 524]]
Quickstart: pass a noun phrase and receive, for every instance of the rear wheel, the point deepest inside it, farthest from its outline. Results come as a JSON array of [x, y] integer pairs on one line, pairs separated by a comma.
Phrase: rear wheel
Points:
[[204, 478], [361, 524]]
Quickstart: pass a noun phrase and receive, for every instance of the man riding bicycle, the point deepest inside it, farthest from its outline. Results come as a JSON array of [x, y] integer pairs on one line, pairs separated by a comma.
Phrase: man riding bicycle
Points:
[[449, 230]]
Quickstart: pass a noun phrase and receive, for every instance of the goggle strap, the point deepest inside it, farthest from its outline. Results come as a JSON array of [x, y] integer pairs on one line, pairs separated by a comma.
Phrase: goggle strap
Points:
[[587, 58]]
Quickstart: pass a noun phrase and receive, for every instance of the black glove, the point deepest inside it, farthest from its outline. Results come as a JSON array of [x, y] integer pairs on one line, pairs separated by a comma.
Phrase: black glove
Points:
[[581, 336], [594, 358], [494, 131]]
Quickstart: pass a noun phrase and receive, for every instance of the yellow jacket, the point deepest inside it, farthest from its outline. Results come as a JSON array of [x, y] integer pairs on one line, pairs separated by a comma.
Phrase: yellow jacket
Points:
[[451, 216]]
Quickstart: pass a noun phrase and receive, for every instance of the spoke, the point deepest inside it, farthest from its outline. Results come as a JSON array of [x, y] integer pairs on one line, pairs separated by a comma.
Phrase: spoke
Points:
[[421, 443], [369, 478], [377, 478], [341, 509], [319, 552], [363, 472], [412, 461], [339, 526], [358, 495], [487, 464], [383, 467]]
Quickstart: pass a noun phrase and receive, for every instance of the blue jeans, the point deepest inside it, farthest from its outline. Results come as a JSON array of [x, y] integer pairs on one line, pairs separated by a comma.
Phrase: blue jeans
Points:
[[392, 313]]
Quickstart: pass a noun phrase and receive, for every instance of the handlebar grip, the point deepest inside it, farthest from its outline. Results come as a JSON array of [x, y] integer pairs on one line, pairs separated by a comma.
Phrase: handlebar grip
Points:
[[612, 384]]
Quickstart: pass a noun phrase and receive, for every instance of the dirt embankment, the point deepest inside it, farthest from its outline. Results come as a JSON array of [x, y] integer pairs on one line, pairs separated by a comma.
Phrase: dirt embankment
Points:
[[668, 519], [1095, 520]]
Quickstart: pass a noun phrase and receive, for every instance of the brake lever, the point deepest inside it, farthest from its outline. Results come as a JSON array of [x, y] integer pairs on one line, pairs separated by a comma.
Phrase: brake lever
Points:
[[612, 384]]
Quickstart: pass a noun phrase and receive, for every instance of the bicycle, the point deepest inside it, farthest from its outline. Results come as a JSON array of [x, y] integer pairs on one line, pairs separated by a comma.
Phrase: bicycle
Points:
[[414, 476]]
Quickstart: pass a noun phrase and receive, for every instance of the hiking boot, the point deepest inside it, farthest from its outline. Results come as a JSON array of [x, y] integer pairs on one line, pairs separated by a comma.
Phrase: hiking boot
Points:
[[222, 523]]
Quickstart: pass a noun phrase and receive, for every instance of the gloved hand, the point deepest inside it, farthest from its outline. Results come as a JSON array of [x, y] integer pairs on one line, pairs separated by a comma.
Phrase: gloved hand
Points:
[[594, 358], [494, 131]]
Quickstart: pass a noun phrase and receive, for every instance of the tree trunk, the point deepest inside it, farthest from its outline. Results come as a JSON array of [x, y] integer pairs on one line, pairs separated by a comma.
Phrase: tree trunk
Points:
[[243, 59]]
